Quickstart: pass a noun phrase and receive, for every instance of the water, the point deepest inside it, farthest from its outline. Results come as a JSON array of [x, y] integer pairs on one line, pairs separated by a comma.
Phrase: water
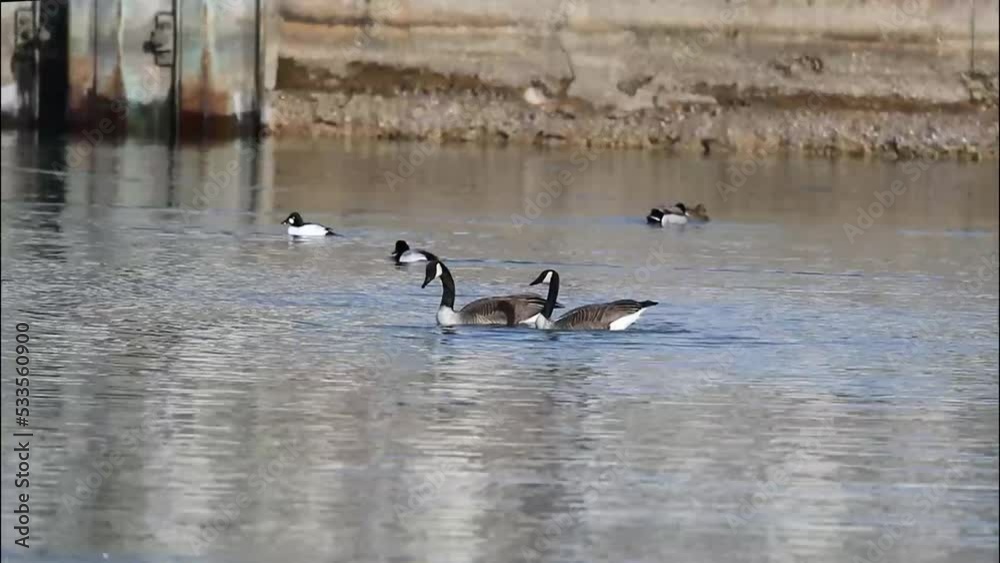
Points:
[[205, 389]]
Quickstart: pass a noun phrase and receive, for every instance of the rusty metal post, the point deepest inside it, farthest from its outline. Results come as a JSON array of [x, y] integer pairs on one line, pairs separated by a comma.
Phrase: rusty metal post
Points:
[[92, 106], [972, 35], [258, 66], [36, 53], [175, 77]]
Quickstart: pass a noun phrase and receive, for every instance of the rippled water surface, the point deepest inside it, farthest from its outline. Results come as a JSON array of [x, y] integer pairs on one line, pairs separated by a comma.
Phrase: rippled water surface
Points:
[[204, 388]]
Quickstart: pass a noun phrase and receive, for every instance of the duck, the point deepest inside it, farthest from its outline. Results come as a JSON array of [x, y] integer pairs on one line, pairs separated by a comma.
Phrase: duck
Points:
[[403, 254], [679, 214], [698, 214], [505, 310], [299, 228], [614, 315], [676, 215]]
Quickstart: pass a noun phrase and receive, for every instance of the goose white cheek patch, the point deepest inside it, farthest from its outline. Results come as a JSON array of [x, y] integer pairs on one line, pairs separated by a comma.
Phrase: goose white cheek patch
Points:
[[438, 274]]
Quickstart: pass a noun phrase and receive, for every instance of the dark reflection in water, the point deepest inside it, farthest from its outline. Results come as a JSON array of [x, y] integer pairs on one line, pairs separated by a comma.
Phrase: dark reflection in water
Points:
[[202, 386]]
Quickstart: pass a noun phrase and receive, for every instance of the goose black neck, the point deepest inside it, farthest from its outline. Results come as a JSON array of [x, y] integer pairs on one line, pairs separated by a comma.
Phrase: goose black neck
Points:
[[550, 300], [448, 288]]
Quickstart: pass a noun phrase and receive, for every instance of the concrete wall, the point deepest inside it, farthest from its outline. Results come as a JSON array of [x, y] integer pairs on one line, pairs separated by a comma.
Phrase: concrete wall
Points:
[[894, 77], [845, 18], [615, 57], [628, 54]]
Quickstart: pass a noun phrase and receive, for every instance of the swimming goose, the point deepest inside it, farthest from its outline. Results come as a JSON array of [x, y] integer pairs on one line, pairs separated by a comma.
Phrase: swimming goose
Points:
[[403, 254], [676, 215], [616, 315], [299, 228], [506, 310]]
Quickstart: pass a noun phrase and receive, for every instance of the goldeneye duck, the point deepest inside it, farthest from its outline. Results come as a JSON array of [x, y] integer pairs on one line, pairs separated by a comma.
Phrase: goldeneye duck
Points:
[[299, 228], [403, 254], [676, 215]]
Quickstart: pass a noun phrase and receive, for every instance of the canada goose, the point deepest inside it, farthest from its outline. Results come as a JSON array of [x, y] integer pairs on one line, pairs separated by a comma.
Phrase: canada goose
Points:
[[616, 315], [676, 215], [403, 254], [506, 310], [299, 228]]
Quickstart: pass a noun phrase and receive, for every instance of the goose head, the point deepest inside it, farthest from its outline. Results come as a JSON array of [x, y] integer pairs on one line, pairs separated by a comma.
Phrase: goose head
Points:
[[544, 277], [401, 247], [294, 219], [433, 271], [683, 208]]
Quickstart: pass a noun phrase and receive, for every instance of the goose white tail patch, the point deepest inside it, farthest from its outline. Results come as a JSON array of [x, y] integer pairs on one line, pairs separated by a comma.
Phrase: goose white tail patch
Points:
[[625, 322], [675, 219]]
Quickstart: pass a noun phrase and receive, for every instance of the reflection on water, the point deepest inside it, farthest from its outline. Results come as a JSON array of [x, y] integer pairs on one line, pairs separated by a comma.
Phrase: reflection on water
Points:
[[204, 386]]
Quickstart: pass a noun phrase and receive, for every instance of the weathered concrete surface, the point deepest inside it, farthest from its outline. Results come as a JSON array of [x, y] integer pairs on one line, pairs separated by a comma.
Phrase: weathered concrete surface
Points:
[[850, 76], [9, 98]]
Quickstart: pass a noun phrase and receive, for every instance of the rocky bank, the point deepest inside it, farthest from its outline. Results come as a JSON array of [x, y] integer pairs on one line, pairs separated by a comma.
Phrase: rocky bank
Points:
[[905, 82]]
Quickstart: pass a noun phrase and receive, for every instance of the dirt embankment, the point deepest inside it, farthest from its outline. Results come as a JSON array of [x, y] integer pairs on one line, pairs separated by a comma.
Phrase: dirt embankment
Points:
[[898, 93]]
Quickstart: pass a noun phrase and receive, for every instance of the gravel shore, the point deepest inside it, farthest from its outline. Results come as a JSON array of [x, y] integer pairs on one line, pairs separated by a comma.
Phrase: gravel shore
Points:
[[814, 129]]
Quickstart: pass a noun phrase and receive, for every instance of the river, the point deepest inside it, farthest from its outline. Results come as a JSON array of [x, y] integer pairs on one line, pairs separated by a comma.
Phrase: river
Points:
[[814, 385]]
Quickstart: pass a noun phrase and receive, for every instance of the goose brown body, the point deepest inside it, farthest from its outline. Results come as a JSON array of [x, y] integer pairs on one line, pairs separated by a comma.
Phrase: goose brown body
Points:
[[614, 315], [503, 310], [600, 316]]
